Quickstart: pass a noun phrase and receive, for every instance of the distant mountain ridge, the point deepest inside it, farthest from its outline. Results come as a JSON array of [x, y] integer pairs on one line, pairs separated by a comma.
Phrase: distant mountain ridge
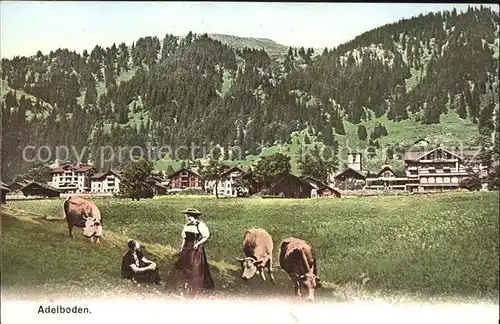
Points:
[[271, 47]]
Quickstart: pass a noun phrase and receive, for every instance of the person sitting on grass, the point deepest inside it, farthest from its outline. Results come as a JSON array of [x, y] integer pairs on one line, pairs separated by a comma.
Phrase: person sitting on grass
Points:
[[137, 268]]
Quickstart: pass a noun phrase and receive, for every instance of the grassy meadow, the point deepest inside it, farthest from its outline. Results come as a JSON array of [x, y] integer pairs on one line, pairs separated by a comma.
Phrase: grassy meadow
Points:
[[422, 245]]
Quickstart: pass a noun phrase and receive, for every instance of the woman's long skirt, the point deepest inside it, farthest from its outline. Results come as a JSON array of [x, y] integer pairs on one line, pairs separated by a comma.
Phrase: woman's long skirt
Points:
[[192, 268]]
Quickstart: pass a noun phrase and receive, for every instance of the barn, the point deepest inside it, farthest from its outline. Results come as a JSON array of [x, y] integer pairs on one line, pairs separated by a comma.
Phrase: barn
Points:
[[322, 189], [4, 189], [350, 178], [41, 190], [291, 186]]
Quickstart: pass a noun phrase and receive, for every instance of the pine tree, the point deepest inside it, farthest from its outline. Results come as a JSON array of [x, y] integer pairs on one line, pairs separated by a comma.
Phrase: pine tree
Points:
[[462, 109], [362, 133], [135, 179]]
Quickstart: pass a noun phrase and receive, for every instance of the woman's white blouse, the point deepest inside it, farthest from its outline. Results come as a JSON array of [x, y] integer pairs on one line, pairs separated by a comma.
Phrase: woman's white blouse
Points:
[[191, 227]]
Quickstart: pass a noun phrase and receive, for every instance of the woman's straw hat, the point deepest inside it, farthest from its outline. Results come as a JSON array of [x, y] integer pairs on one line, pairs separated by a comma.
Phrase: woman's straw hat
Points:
[[191, 211]]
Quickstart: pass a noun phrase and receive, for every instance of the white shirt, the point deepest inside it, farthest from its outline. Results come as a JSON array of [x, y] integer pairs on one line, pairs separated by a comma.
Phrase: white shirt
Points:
[[136, 259], [191, 227]]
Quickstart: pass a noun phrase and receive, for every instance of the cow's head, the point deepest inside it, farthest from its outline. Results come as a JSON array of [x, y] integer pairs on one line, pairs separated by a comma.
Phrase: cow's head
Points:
[[92, 228], [250, 267], [307, 282]]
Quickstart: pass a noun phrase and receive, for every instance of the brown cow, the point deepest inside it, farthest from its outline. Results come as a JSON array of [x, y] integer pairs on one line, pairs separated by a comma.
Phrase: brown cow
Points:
[[298, 259], [84, 214], [258, 250]]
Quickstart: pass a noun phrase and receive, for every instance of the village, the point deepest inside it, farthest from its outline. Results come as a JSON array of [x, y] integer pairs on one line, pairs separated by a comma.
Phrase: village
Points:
[[426, 170]]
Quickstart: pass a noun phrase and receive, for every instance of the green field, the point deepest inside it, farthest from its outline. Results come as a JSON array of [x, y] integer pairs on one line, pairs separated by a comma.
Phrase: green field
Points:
[[441, 245]]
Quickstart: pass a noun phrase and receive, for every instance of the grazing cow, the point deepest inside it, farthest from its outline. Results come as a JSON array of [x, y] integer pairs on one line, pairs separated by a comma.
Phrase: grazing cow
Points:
[[258, 250], [298, 259], [84, 214]]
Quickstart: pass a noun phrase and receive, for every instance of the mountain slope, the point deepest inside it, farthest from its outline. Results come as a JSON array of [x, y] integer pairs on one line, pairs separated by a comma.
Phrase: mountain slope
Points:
[[433, 75]]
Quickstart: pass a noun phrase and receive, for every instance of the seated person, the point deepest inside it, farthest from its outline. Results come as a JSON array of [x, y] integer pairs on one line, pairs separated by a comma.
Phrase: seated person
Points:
[[137, 268]]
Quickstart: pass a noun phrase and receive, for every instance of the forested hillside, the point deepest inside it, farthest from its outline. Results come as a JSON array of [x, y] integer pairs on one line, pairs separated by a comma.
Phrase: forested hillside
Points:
[[433, 74]]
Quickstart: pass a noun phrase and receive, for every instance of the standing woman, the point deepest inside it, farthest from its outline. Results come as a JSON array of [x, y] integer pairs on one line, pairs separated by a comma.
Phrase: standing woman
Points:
[[192, 266]]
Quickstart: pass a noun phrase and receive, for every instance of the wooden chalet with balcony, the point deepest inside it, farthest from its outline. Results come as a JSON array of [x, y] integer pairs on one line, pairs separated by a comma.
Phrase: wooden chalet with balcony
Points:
[[440, 169], [386, 179], [185, 179], [352, 177]]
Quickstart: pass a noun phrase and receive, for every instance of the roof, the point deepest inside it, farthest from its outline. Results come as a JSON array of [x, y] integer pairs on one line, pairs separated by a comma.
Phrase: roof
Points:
[[362, 174], [422, 140], [98, 175], [320, 186], [173, 174], [157, 178], [243, 169], [19, 185], [101, 175], [384, 168], [75, 167], [313, 181], [157, 184], [37, 184], [294, 177], [414, 155], [4, 186]]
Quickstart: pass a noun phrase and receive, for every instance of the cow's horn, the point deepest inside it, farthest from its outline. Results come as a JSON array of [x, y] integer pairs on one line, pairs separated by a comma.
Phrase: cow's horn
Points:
[[240, 259]]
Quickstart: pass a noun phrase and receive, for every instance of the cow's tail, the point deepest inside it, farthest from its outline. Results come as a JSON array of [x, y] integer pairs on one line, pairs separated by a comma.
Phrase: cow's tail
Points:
[[66, 206], [315, 267]]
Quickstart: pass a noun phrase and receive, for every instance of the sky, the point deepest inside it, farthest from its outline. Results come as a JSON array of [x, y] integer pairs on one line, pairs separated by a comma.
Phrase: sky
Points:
[[29, 26]]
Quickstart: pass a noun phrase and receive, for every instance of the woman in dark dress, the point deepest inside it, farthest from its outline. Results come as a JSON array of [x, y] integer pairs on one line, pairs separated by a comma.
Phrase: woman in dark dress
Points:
[[191, 268]]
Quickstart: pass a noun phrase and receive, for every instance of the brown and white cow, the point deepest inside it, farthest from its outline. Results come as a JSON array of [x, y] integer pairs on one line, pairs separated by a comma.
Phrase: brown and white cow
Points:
[[258, 250], [298, 259], [84, 214]]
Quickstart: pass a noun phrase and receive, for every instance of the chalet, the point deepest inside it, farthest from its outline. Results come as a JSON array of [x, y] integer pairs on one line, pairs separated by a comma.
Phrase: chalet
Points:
[[185, 179], [17, 186], [41, 190], [350, 173], [160, 184], [386, 178], [226, 182], [159, 189], [321, 189], [352, 176], [440, 169], [4, 189], [105, 182], [291, 186], [72, 178]]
